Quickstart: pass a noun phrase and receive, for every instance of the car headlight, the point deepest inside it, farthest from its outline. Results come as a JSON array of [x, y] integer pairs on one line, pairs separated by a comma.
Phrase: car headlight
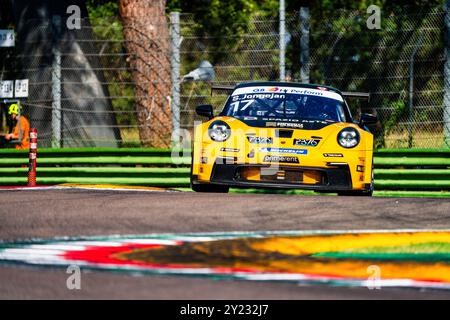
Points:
[[348, 138], [219, 131]]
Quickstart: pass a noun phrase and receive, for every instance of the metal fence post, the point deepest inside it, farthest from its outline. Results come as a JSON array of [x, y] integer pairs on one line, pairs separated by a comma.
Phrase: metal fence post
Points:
[[411, 91], [175, 75], [304, 44], [282, 41], [446, 111], [56, 83]]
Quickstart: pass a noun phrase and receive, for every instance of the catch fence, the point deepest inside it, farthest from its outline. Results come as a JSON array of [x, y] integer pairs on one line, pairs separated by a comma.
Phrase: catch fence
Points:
[[115, 83]]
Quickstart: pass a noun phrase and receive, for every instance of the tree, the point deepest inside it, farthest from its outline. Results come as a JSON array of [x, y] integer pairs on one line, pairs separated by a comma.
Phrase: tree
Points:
[[147, 35], [86, 118]]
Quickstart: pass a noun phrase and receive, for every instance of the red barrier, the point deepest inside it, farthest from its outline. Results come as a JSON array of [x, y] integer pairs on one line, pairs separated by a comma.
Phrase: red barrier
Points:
[[33, 153]]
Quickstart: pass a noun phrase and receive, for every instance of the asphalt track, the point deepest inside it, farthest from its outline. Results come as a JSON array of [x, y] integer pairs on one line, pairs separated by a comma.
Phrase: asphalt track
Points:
[[58, 213]]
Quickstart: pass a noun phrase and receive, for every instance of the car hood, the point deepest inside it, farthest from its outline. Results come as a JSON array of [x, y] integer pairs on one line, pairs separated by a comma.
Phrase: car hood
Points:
[[302, 129], [282, 124]]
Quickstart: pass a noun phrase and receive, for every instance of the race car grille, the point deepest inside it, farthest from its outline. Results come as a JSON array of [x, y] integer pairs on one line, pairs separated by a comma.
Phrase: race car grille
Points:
[[283, 176], [242, 175], [280, 176]]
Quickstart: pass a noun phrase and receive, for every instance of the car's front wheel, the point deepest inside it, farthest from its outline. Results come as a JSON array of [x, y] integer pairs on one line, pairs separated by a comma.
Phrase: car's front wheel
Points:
[[209, 188], [364, 193]]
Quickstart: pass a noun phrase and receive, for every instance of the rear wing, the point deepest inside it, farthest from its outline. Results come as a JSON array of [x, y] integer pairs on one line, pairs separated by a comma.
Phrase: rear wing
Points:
[[221, 88], [346, 94], [356, 95]]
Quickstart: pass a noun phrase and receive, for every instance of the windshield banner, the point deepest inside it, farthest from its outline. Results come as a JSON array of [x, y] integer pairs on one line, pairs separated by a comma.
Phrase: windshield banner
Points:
[[263, 92]]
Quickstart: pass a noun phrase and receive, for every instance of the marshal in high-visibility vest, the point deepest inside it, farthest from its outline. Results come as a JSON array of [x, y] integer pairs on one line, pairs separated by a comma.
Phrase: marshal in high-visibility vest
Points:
[[22, 135]]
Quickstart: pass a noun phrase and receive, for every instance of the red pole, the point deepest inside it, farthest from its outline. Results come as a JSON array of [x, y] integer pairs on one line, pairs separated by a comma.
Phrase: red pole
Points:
[[33, 152]]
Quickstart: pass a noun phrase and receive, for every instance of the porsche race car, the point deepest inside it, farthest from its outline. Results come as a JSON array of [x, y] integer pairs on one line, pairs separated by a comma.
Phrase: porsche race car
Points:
[[283, 135]]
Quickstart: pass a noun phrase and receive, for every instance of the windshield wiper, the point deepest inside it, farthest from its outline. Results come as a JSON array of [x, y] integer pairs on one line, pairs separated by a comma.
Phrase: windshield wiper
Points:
[[284, 105]]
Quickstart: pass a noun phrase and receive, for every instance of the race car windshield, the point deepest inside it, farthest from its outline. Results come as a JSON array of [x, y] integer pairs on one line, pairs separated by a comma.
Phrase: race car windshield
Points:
[[285, 106]]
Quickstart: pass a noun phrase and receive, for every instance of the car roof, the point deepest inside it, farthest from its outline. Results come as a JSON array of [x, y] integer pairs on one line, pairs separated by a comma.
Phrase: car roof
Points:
[[286, 84]]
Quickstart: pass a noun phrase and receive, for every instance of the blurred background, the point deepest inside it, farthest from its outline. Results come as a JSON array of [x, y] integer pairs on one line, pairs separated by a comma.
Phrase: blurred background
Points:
[[123, 76]]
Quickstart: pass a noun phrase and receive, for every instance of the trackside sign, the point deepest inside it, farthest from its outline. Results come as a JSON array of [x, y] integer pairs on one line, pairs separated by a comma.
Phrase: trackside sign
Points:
[[6, 38], [14, 88]]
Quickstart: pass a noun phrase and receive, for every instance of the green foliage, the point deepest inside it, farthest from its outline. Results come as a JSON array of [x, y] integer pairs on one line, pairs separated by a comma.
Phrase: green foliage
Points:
[[100, 10], [341, 45], [399, 110], [221, 22], [106, 25]]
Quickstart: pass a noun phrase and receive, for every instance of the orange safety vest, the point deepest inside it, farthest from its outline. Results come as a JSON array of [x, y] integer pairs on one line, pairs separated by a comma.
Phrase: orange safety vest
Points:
[[25, 131]]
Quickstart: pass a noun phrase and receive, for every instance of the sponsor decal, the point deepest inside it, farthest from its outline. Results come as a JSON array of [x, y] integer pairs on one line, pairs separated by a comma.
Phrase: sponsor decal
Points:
[[289, 90], [285, 150], [253, 96], [229, 150], [281, 159], [306, 142], [260, 140], [337, 155], [290, 125], [295, 125], [271, 123], [274, 120]]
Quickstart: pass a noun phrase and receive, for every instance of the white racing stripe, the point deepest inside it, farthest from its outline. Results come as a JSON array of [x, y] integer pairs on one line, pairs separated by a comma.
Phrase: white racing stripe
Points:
[[35, 252], [94, 243], [150, 241], [64, 247]]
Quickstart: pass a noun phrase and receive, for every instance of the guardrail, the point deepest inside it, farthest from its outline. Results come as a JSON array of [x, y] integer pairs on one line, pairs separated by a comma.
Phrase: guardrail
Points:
[[402, 170]]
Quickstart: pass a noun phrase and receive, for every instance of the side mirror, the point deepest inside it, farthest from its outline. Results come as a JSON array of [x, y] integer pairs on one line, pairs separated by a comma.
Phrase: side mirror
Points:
[[367, 119], [205, 110]]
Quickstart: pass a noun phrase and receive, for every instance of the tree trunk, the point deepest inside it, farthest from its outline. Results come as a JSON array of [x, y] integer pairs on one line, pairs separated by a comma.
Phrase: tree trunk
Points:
[[147, 34]]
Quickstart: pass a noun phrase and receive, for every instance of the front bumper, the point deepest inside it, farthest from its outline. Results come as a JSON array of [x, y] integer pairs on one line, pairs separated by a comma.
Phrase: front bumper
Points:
[[336, 178]]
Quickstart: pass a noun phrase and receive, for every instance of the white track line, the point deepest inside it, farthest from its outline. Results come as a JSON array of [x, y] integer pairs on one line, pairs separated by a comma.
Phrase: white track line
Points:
[[84, 188]]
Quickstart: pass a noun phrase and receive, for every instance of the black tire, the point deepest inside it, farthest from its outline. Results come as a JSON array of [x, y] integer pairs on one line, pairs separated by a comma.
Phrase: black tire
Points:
[[356, 193], [199, 187], [209, 188], [361, 193]]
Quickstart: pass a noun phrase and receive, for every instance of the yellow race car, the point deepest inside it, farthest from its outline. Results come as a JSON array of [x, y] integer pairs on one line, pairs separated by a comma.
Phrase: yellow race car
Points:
[[283, 135]]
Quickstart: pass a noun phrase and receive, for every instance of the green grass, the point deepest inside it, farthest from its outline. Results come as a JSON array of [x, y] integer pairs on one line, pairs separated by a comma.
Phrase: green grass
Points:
[[431, 247], [377, 193], [411, 194], [412, 151], [424, 252], [99, 160], [412, 174], [411, 161], [99, 172], [421, 139], [412, 184], [153, 182]]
